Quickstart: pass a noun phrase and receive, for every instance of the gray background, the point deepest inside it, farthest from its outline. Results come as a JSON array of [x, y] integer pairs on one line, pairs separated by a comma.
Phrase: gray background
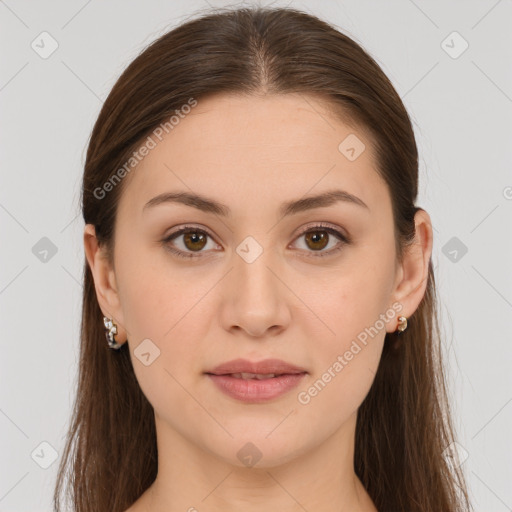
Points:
[[461, 106]]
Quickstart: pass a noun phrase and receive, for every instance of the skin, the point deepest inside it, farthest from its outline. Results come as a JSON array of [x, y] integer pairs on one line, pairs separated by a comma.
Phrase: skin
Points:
[[251, 154]]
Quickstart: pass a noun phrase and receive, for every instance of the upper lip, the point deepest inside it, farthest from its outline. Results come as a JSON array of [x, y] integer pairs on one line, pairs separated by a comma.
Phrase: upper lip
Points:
[[275, 366]]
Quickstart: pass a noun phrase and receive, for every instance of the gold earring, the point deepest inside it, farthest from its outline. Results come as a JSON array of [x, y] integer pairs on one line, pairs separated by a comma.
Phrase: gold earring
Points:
[[402, 324]]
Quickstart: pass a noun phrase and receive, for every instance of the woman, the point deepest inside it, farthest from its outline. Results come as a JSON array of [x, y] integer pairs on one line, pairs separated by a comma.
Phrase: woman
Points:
[[259, 325]]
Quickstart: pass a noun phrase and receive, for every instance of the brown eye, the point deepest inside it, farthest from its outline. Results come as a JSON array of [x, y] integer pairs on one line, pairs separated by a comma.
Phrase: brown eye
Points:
[[317, 240], [188, 240], [194, 240], [318, 237]]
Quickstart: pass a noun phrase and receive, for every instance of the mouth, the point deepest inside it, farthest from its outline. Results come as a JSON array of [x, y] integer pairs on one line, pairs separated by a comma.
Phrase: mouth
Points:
[[256, 376], [256, 388], [267, 368], [256, 381]]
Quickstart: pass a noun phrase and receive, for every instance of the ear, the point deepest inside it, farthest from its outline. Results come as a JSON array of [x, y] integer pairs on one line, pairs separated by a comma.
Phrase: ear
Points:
[[104, 282], [412, 274]]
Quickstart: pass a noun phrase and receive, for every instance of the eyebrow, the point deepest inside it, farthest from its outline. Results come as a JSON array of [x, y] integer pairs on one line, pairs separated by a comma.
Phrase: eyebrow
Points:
[[287, 208]]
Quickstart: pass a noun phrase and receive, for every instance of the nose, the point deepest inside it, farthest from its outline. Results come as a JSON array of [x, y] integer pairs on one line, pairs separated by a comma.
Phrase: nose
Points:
[[256, 299]]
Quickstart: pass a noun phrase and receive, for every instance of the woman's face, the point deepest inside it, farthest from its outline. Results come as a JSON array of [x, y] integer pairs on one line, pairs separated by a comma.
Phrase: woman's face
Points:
[[254, 283]]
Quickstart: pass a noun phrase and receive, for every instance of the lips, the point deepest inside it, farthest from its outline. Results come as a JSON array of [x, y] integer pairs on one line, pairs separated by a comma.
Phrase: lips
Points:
[[254, 391], [258, 376], [268, 368]]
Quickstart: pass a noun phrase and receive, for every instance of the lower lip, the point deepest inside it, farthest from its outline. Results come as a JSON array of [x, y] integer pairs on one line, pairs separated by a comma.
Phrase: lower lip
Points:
[[254, 390]]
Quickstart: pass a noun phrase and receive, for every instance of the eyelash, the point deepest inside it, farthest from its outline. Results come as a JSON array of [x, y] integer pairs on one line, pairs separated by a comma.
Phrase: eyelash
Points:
[[344, 240]]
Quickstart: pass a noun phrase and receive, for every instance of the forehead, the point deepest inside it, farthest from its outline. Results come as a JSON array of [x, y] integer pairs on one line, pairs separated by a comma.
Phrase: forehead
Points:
[[246, 150]]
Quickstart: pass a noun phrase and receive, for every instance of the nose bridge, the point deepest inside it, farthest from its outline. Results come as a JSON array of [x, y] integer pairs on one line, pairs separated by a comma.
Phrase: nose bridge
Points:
[[256, 300], [252, 262]]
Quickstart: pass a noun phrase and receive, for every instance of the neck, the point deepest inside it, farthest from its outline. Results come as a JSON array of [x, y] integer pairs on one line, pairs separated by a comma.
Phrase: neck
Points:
[[319, 478]]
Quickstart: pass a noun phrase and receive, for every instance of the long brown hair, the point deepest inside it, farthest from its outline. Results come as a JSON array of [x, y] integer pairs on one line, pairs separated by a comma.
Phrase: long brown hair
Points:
[[404, 424]]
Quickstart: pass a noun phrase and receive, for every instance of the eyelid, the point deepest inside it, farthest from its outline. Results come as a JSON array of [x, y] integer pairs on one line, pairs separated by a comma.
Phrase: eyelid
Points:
[[180, 230], [344, 239], [323, 225]]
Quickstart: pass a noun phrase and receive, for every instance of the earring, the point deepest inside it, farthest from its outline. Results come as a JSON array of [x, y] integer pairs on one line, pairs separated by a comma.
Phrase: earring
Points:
[[402, 325], [111, 328]]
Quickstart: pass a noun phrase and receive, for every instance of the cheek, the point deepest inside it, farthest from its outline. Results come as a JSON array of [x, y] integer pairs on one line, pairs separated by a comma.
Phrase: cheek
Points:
[[156, 297], [346, 303], [353, 308], [346, 361], [167, 306], [162, 307]]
